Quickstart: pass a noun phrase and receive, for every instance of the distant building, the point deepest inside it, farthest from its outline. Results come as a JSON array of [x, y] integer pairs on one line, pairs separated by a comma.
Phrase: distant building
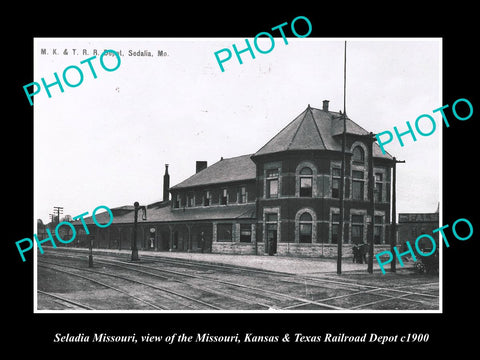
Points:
[[412, 225], [283, 199]]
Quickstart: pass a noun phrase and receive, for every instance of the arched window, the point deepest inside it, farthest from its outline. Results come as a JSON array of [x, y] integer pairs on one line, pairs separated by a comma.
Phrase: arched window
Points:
[[358, 155], [306, 181], [305, 230]]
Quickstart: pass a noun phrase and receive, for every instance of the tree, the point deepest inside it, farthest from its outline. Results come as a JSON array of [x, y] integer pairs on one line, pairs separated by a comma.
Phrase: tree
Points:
[[67, 218]]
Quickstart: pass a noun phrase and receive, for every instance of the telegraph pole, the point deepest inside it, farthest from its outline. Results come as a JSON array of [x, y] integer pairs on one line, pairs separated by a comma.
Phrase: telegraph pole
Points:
[[59, 210], [393, 235], [342, 178], [371, 186], [342, 202]]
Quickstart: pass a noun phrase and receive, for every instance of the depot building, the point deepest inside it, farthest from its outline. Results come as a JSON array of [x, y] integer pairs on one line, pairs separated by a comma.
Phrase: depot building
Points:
[[283, 199]]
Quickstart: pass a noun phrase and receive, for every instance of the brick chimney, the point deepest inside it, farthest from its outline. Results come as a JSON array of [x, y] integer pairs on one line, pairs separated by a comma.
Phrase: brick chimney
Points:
[[325, 105], [166, 184], [200, 165]]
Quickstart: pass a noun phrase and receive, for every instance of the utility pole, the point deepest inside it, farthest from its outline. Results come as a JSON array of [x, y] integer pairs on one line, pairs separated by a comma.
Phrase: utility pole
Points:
[[342, 178], [342, 201], [59, 210], [371, 186], [393, 235]]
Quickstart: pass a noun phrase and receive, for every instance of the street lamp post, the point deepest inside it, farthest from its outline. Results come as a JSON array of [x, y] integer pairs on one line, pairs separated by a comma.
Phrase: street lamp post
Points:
[[144, 217]]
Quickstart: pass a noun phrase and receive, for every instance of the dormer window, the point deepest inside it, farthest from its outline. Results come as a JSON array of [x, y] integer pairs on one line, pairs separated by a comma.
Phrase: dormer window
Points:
[[224, 197], [176, 203], [242, 195], [206, 198], [191, 200]]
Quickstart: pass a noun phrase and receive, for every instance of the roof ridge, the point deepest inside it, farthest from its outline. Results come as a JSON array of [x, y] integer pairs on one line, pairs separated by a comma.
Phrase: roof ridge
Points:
[[286, 126], [318, 130], [234, 157], [298, 128]]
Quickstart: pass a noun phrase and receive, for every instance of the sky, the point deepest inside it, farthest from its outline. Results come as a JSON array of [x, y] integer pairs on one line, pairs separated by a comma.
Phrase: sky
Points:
[[106, 141]]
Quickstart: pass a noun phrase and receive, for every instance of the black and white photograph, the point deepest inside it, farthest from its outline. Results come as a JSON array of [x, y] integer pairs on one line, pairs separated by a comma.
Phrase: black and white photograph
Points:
[[277, 181], [224, 188]]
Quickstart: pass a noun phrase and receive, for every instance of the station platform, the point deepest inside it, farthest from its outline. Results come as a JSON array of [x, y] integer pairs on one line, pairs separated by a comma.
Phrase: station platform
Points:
[[284, 264]]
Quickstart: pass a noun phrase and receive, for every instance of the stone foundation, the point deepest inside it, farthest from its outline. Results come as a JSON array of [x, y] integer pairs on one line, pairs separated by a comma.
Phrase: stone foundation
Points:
[[236, 248], [290, 249]]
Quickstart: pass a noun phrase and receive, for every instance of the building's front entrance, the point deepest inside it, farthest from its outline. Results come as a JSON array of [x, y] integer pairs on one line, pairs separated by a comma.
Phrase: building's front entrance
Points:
[[271, 239]]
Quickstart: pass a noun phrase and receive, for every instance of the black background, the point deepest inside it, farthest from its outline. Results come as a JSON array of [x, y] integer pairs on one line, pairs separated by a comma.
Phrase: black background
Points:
[[29, 333]]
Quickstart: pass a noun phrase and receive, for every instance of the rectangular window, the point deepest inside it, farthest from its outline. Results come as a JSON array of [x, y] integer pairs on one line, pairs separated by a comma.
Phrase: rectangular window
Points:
[[378, 192], [206, 198], [306, 186], [272, 183], [224, 232], [176, 203], [272, 188], [223, 198], [358, 192], [336, 188], [336, 175], [191, 198], [242, 195], [245, 233], [357, 234]]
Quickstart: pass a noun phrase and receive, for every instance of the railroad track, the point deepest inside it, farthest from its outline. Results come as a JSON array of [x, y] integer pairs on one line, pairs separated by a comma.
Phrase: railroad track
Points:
[[66, 302], [204, 304], [260, 297], [325, 282], [57, 267]]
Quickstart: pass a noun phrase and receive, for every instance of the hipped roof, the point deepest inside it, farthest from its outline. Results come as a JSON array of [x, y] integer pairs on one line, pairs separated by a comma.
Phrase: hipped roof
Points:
[[240, 168], [162, 212], [315, 129]]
